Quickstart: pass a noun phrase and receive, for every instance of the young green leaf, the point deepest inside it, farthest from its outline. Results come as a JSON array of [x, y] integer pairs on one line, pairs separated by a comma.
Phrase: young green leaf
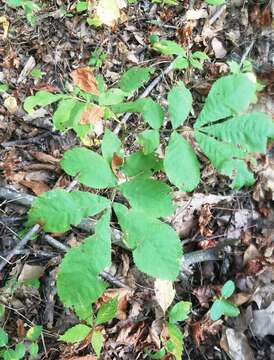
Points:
[[111, 97], [200, 55], [215, 2], [2, 310], [139, 164], [179, 312], [156, 247], [216, 311], [180, 63], [41, 98], [228, 289], [230, 309], [68, 114], [20, 350], [134, 78], [181, 164], [228, 96], [34, 333], [9, 354], [33, 349], [175, 344], [75, 334], [107, 311], [110, 144], [57, 210], [179, 104], [157, 355], [90, 168], [85, 262], [168, 47], [3, 337], [97, 342], [150, 196], [149, 140]]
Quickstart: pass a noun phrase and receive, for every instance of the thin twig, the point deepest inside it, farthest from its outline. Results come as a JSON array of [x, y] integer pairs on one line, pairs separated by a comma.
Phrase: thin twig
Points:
[[20, 245], [216, 14]]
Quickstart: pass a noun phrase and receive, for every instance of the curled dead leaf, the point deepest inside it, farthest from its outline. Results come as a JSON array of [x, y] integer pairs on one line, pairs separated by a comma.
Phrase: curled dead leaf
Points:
[[10, 104], [85, 80]]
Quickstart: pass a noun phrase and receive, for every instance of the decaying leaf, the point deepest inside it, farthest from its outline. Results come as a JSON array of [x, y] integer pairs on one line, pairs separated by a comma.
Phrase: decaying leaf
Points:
[[91, 115], [30, 272], [263, 321], [108, 11], [164, 293], [85, 80], [183, 219], [235, 344]]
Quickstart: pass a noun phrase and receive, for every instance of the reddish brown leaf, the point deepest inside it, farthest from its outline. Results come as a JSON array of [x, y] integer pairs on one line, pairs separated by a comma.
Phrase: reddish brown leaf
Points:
[[85, 80], [38, 187], [116, 162], [91, 115]]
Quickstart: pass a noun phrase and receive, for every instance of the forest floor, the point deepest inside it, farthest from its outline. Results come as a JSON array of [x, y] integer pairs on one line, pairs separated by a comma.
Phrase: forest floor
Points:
[[31, 149]]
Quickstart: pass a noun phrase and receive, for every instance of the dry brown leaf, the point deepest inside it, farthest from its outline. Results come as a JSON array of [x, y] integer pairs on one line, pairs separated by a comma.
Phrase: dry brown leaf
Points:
[[235, 344], [85, 80], [183, 220], [164, 293], [43, 157], [20, 329], [38, 187], [10, 104]]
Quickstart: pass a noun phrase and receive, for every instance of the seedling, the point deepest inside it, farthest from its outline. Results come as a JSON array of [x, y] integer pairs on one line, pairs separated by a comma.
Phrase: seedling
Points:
[[222, 306], [28, 346], [29, 7], [182, 60], [79, 332], [97, 58]]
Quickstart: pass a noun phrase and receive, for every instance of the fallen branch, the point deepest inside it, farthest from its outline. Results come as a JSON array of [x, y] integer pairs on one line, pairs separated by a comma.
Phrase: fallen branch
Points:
[[88, 225]]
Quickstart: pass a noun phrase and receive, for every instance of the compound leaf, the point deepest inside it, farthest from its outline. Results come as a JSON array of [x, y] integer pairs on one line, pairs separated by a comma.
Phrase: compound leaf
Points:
[[90, 168], [181, 163], [78, 283], [134, 78], [169, 47], [156, 246], [148, 195], [111, 97], [140, 164], [75, 334], [57, 209], [179, 104], [228, 96]]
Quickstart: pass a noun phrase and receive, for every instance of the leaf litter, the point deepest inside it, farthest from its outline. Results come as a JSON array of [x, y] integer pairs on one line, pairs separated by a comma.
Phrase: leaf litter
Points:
[[212, 213]]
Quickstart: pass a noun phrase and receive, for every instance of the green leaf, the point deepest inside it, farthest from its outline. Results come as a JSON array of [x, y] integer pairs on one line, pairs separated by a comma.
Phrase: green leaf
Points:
[[107, 311], [181, 164], [68, 114], [111, 97], [157, 355], [223, 307], [230, 309], [78, 283], [156, 246], [238, 171], [20, 350], [200, 55], [3, 88], [152, 111], [197, 64], [134, 78], [150, 196], [179, 104], [176, 340], [180, 63], [215, 2], [180, 311], [57, 209], [228, 96], [14, 3], [3, 337], [33, 349], [149, 140], [41, 98], [228, 289], [36, 73], [168, 47], [10, 355], [81, 6], [138, 164], [2, 310], [90, 168], [34, 332], [97, 342], [110, 144], [75, 334]]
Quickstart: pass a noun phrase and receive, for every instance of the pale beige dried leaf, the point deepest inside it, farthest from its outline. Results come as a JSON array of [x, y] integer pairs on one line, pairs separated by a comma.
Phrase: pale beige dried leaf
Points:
[[5, 24], [10, 104], [251, 253], [91, 115], [196, 14], [164, 293], [218, 48], [85, 80], [108, 11], [30, 272]]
